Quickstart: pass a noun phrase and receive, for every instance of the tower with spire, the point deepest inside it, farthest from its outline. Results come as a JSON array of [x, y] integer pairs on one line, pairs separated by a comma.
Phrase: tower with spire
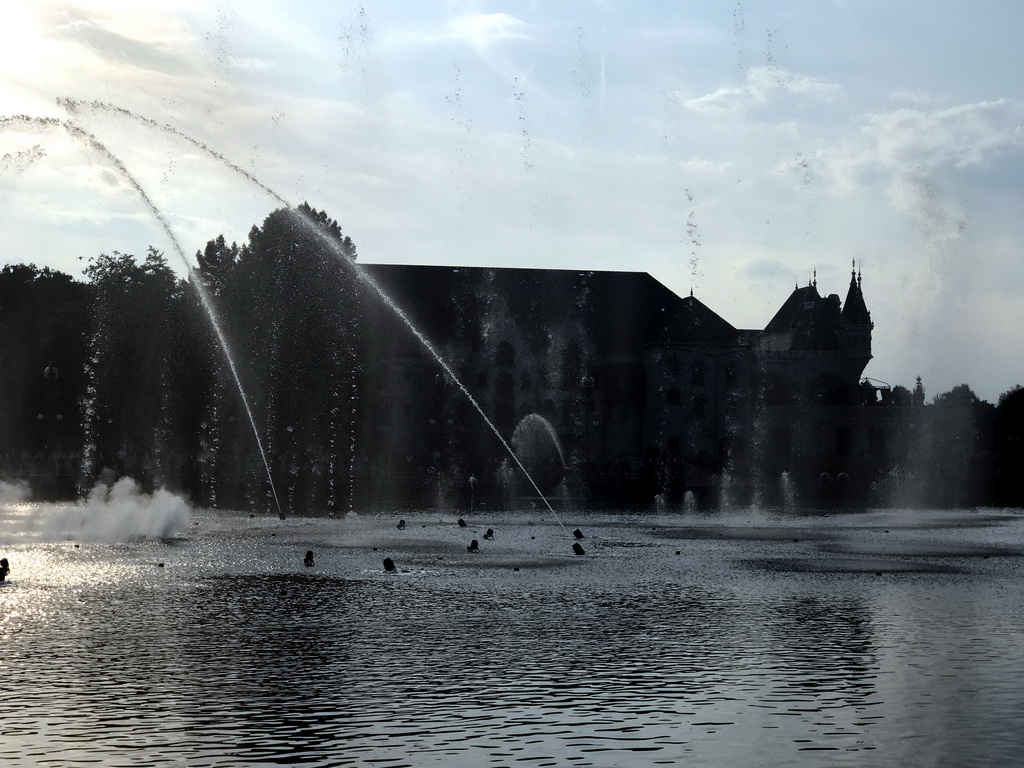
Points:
[[856, 319]]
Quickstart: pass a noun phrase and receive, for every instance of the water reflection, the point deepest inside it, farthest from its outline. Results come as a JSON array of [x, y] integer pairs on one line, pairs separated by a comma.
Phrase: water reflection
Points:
[[235, 653]]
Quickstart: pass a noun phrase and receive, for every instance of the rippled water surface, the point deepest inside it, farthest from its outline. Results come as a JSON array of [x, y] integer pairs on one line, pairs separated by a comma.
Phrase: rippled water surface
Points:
[[742, 639]]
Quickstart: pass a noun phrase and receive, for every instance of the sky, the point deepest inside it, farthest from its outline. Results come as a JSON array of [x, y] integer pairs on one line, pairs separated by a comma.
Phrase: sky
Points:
[[735, 149]]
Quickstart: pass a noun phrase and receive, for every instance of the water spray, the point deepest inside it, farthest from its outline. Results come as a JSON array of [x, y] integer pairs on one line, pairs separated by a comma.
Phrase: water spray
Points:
[[73, 106], [95, 144]]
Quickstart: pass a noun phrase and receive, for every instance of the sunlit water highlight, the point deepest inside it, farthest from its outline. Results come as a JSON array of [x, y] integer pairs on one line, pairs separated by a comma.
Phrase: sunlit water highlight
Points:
[[742, 639]]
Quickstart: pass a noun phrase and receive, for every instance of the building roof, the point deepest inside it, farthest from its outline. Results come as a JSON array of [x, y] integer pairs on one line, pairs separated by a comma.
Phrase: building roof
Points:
[[801, 300], [812, 322], [620, 310], [695, 323], [615, 311], [855, 311]]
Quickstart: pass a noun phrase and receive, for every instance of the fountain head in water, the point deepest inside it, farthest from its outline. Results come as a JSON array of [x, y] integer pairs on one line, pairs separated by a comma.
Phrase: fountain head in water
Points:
[[536, 443]]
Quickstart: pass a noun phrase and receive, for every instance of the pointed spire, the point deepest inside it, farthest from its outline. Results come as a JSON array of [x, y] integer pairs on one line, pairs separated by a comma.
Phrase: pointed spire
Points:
[[855, 311]]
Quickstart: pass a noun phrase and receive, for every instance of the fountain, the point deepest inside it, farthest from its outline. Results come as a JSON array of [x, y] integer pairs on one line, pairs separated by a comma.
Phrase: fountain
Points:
[[539, 449], [724, 491], [91, 142], [311, 228], [788, 493]]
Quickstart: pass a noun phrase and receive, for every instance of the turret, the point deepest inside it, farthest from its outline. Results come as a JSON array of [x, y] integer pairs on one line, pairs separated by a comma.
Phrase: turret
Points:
[[856, 318]]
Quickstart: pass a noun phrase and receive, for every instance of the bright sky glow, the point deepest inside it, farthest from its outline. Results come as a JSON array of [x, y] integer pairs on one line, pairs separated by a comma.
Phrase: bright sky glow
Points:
[[731, 148]]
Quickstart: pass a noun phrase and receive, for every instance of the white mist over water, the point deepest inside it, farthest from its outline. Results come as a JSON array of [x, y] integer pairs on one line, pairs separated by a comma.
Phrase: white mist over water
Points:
[[111, 514], [16, 492]]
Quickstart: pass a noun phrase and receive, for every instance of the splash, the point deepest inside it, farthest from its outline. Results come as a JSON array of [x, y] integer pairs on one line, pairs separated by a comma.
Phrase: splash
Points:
[[18, 162], [117, 513], [788, 493], [532, 431], [16, 492], [689, 502]]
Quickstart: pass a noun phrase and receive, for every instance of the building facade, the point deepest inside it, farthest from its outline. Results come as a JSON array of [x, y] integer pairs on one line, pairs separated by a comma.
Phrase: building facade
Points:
[[608, 386]]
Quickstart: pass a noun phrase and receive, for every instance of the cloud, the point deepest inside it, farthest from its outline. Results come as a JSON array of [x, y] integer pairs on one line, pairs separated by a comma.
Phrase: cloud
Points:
[[692, 33], [908, 142], [912, 98], [761, 84], [763, 269], [481, 31], [702, 165]]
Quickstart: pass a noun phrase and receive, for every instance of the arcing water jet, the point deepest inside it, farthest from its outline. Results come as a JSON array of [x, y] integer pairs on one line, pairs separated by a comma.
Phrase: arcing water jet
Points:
[[95, 144], [73, 106]]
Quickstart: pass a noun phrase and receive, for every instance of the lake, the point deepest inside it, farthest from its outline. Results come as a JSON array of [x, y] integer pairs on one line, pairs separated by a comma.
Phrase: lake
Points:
[[741, 638]]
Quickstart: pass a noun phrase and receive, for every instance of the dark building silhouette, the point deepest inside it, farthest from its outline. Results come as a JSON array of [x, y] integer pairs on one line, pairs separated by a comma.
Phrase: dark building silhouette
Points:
[[608, 387], [611, 387]]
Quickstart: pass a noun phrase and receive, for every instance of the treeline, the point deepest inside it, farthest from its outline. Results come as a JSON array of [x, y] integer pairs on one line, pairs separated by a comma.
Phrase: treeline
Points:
[[125, 374], [956, 451]]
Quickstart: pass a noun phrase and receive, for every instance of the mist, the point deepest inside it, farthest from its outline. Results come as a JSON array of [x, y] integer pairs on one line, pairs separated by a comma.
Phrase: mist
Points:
[[116, 513]]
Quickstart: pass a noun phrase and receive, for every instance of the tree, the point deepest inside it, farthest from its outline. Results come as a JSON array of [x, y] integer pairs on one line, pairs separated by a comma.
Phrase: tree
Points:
[[960, 466], [216, 262], [136, 370], [960, 396], [291, 302], [1009, 446], [43, 322], [901, 396]]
